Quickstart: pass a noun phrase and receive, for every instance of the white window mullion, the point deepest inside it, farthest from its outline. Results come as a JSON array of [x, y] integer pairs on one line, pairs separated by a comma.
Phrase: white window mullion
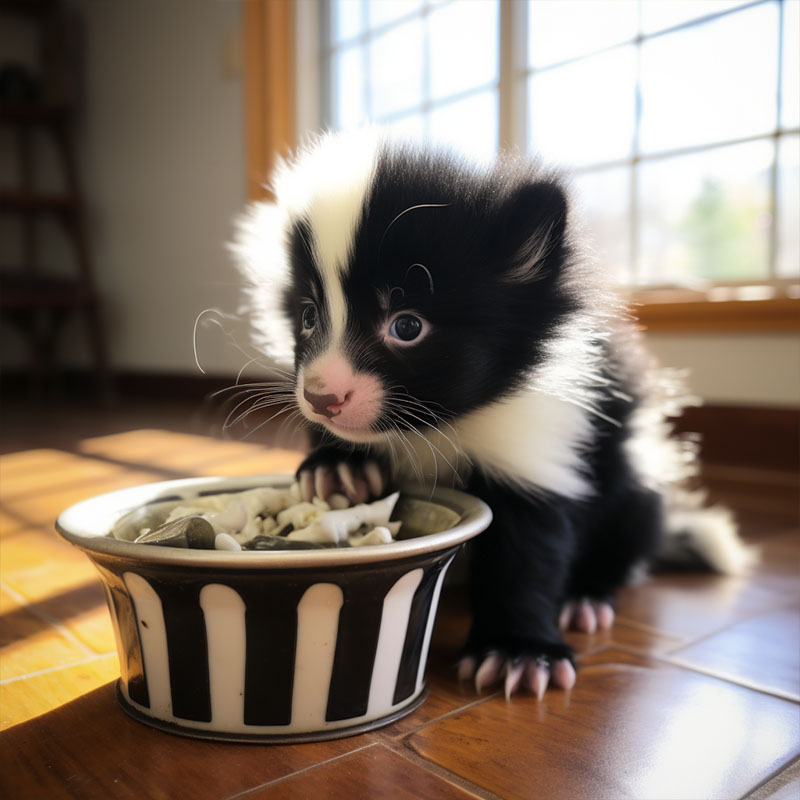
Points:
[[513, 90]]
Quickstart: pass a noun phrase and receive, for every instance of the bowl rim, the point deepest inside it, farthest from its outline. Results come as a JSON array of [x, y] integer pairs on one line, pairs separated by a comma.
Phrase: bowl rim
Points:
[[87, 523]]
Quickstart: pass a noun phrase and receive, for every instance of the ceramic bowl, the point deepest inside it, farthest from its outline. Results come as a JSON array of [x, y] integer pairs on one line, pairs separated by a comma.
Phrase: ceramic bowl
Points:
[[279, 646]]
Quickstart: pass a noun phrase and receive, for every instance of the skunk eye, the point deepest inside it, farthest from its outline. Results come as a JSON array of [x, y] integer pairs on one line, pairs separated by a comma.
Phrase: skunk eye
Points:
[[406, 327], [309, 318]]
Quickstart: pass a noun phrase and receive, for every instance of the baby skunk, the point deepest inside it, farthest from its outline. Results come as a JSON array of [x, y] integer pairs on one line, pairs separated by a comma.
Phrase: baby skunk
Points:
[[444, 326]]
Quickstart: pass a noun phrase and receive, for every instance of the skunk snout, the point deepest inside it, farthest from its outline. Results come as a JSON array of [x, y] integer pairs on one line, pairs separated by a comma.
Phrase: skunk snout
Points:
[[347, 402], [329, 405]]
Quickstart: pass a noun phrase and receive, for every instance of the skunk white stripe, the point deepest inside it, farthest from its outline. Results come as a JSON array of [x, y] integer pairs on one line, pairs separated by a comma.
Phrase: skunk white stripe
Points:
[[153, 639], [394, 622], [224, 610], [328, 186], [530, 440], [317, 626]]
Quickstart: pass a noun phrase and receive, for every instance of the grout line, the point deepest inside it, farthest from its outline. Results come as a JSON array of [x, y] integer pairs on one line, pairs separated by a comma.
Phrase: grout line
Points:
[[274, 781], [745, 683], [44, 616], [785, 605], [405, 750], [45, 670], [388, 737], [762, 784]]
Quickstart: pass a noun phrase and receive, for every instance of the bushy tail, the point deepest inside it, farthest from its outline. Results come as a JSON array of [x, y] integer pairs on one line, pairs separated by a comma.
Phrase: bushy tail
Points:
[[700, 536]]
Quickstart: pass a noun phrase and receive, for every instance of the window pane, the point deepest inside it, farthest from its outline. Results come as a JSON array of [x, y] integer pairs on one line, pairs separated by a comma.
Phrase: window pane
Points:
[[604, 210], [382, 12], [346, 19], [411, 126], [396, 69], [348, 104], [463, 46], [568, 28], [658, 15], [706, 215], [712, 82], [789, 207], [584, 112], [790, 101], [470, 125]]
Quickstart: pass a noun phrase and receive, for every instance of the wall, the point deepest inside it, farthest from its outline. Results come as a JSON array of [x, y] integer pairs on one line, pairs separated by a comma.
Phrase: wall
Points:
[[162, 154], [738, 369], [162, 159]]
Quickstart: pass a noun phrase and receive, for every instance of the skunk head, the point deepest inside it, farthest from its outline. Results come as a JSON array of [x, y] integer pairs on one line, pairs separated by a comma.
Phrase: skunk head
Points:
[[411, 287]]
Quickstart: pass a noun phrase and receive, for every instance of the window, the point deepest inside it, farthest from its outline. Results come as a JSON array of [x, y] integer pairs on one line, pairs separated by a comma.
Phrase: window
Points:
[[678, 120]]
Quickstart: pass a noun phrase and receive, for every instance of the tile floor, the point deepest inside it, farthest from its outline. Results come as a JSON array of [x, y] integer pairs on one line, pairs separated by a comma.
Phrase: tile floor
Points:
[[695, 693]]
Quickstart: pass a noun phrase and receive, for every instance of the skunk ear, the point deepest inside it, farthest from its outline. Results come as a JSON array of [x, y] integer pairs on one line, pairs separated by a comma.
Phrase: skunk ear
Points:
[[532, 227]]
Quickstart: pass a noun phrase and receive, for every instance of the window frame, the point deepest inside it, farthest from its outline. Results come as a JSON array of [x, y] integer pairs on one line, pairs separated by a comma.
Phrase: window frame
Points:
[[285, 93]]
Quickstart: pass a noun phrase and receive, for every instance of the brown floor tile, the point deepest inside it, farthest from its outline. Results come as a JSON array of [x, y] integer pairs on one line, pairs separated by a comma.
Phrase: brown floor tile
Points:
[[41, 509], [90, 746], [31, 696], [763, 651], [688, 606], [29, 643], [372, 772], [624, 731]]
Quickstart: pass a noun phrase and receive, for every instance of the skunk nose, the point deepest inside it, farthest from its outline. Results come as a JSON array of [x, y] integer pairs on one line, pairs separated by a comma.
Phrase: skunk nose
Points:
[[328, 405]]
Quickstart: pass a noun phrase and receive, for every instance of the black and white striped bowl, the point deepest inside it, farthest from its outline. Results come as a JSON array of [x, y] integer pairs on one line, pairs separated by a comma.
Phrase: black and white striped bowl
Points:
[[272, 646]]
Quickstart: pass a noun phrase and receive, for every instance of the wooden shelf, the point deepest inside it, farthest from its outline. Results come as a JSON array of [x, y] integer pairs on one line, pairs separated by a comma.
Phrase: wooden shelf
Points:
[[24, 291], [37, 202], [17, 113]]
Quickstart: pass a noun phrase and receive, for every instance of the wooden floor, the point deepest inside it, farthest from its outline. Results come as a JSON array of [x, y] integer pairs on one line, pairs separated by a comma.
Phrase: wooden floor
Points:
[[694, 694]]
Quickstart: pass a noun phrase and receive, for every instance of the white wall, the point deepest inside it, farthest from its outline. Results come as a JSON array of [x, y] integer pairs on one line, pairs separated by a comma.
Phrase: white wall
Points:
[[162, 160], [737, 369], [162, 156]]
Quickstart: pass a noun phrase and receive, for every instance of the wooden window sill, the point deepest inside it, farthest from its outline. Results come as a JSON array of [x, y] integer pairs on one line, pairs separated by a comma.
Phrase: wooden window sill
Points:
[[774, 314]]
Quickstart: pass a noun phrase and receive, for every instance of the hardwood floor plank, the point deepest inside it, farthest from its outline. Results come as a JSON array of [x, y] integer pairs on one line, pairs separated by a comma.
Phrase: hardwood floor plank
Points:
[[626, 730], [372, 772], [90, 749]]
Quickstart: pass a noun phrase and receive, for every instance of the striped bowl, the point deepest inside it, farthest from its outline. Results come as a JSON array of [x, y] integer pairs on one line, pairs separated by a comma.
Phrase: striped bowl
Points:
[[284, 646]]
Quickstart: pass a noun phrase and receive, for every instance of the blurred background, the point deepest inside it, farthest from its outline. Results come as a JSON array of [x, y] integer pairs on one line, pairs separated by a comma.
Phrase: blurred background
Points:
[[131, 134]]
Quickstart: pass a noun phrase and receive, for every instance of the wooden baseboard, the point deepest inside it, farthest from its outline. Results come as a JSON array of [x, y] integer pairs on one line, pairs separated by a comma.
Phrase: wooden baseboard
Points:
[[745, 436], [732, 436]]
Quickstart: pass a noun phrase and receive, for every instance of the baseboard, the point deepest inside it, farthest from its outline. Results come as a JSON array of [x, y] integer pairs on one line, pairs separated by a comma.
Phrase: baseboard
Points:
[[731, 435], [746, 436]]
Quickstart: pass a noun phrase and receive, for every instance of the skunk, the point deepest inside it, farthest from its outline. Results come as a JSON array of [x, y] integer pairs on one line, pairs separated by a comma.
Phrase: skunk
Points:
[[442, 325]]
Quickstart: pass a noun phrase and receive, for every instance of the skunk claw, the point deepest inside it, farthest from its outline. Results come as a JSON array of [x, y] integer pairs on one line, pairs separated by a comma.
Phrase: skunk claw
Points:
[[562, 674], [537, 676], [488, 671], [514, 673], [324, 482], [586, 615], [466, 668], [306, 480]]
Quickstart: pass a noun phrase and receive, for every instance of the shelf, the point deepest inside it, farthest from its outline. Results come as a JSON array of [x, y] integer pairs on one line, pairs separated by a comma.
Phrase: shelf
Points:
[[36, 202], [27, 113], [22, 290]]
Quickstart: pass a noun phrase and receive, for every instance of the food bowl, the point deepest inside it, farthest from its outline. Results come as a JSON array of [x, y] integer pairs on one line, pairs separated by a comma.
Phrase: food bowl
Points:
[[280, 646]]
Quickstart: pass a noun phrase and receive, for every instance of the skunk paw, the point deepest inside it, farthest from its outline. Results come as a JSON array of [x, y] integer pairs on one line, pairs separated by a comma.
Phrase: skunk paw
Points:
[[586, 615], [528, 673], [329, 470]]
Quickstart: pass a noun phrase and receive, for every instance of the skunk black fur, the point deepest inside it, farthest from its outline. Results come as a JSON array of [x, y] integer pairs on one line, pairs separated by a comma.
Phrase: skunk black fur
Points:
[[442, 324]]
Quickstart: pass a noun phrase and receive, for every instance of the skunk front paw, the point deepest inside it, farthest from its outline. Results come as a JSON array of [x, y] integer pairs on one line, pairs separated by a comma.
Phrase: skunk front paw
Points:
[[532, 671], [587, 615], [329, 470]]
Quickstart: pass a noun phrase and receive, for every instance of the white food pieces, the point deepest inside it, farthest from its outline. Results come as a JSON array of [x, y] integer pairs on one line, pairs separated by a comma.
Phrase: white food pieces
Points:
[[379, 535], [335, 526], [239, 517], [224, 541]]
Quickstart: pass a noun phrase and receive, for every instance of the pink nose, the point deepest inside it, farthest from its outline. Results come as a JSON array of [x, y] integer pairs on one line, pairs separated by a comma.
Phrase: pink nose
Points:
[[328, 405]]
